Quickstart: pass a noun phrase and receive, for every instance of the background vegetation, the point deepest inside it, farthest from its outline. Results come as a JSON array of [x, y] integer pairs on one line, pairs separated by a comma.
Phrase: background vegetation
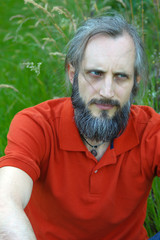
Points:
[[33, 36]]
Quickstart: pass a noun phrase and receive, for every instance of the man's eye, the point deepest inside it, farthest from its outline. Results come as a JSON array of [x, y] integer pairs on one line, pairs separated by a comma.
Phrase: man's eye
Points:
[[121, 76], [95, 73]]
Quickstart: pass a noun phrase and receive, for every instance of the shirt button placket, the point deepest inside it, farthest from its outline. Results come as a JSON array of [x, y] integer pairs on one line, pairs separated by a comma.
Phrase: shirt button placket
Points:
[[95, 182]]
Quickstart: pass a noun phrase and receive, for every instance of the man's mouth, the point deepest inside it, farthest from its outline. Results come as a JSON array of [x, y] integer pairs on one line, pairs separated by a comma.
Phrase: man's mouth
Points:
[[104, 106]]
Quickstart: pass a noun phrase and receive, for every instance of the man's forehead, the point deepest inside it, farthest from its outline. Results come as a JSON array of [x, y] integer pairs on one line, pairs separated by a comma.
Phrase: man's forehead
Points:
[[104, 52], [103, 45], [102, 39]]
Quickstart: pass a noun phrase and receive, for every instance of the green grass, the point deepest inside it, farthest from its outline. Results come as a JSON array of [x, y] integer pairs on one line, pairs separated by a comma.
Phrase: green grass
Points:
[[36, 35]]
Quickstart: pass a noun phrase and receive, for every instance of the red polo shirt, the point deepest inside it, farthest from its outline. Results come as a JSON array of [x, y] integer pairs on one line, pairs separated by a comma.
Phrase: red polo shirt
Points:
[[75, 197]]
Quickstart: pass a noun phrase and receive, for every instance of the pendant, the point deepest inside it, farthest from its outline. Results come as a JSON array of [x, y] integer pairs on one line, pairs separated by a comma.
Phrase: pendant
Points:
[[94, 152]]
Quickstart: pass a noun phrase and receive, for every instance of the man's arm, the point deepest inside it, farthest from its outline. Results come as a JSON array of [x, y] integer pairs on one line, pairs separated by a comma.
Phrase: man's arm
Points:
[[15, 191]]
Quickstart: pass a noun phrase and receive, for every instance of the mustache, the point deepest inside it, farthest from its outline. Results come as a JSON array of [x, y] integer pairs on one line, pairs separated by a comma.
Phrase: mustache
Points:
[[105, 101]]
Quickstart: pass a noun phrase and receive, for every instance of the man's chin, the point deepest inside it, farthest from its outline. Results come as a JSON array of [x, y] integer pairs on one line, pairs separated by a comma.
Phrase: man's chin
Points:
[[107, 114]]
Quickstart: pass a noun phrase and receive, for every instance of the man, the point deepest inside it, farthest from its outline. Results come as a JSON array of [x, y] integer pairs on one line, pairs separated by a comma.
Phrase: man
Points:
[[82, 168]]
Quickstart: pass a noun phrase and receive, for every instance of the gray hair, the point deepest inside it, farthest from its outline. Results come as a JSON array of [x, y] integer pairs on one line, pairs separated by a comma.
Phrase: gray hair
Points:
[[113, 26]]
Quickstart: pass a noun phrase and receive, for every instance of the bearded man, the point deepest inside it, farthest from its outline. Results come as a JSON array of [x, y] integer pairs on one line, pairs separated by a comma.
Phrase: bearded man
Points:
[[82, 167]]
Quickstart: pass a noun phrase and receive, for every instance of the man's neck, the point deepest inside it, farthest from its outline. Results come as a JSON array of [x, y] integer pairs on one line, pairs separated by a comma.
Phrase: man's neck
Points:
[[100, 149]]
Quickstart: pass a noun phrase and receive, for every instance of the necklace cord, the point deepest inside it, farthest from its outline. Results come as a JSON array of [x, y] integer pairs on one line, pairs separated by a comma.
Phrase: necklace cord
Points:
[[93, 146]]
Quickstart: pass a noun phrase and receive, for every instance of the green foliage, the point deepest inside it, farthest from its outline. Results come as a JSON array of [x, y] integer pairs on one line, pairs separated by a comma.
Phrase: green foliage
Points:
[[33, 36], [152, 222]]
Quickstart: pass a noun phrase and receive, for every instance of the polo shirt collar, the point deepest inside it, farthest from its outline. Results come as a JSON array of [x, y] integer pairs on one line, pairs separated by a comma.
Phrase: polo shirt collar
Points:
[[129, 139], [70, 139]]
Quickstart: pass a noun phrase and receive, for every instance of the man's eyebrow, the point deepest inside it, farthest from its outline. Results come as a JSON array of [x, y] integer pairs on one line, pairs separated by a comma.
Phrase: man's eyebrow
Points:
[[103, 71], [94, 69]]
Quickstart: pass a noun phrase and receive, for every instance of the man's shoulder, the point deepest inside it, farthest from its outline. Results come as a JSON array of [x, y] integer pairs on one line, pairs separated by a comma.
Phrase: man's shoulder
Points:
[[146, 120], [48, 109], [144, 114]]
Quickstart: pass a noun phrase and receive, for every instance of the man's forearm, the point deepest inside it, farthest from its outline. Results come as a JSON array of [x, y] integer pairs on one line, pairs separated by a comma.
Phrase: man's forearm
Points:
[[14, 224]]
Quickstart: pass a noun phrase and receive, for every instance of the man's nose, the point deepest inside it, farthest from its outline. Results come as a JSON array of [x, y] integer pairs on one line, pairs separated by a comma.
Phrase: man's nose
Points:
[[107, 89]]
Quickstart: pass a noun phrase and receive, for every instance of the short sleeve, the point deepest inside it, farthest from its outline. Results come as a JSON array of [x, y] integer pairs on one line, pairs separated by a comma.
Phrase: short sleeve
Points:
[[152, 148], [26, 144]]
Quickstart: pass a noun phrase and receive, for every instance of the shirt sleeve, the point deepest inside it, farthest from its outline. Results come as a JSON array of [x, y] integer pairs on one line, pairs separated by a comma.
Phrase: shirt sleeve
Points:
[[152, 148], [26, 144]]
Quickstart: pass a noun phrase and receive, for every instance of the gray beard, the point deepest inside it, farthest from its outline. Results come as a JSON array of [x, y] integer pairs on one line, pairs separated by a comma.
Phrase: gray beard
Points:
[[101, 128]]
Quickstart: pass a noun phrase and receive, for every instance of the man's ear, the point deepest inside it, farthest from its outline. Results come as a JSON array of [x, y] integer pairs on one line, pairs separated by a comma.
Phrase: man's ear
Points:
[[71, 72], [138, 79]]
